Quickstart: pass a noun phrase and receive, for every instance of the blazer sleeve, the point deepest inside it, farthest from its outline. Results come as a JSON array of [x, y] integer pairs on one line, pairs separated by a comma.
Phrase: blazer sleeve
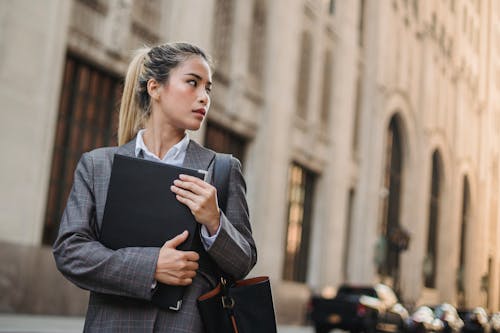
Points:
[[82, 259], [234, 249]]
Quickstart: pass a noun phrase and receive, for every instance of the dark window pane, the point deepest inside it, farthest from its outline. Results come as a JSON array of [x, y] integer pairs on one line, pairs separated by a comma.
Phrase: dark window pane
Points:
[[390, 226], [357, 115], [361, 23], [300, 198], [223, 140], [331, 7], [302, 95], [348, 230], [88, 100], [430, 263], [464, 228], [327, 90]]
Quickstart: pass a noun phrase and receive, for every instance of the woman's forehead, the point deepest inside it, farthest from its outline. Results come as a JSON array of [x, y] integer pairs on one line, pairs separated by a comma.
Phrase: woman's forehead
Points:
[[195, 65]]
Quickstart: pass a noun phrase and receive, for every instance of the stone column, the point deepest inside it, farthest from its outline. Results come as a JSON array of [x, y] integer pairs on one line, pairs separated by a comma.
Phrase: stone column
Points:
[[371, 140], [32, 53], [339, 174], [269, 154]]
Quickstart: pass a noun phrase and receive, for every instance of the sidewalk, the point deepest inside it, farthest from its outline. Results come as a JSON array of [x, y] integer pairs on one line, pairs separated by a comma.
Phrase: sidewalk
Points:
[[13, 323]]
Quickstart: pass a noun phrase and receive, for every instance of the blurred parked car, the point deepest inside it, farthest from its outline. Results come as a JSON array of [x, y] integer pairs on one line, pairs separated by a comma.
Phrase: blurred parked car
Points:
[[423, 320], [495, 323], [475, 320], [356, 309], [448, 314]]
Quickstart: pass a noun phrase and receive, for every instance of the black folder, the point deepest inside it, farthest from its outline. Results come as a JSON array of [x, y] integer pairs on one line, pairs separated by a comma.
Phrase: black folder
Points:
[[142, 211]]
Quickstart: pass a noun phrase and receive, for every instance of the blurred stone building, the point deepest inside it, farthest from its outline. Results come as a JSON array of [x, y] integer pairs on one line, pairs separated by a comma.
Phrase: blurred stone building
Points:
[[369, 133]]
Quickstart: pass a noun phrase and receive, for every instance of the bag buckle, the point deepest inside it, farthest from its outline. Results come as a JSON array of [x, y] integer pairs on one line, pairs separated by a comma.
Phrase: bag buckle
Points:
[[227, 302]]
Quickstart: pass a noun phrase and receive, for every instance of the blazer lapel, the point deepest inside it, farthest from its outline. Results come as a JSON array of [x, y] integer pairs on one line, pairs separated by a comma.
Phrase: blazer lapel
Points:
[[198, 157]]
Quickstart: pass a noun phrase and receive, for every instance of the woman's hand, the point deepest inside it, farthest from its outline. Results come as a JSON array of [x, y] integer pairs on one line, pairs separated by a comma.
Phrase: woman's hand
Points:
[[201, 198], [175, 267]]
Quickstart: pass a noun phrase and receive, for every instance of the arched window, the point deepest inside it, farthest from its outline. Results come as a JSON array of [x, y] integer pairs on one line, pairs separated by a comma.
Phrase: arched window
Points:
[[302, 94], [390, 224], [223, 32], [465, 218], [257, 42], [430, 262]]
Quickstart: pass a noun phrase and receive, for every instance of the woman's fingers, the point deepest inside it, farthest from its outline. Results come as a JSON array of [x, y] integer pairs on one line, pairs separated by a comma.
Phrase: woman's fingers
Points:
[[192, 187], [195, 180], [191, 204], [191, 255], [177, 277], [184, 193], [177, 240], [201, 199], [179, 268], [194, 202], [173, 280], [188, 266], [176, 267], [194, 192]]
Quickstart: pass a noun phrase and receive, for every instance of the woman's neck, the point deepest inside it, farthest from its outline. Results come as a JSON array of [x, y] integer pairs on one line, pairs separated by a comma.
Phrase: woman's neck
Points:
[[160, 137]]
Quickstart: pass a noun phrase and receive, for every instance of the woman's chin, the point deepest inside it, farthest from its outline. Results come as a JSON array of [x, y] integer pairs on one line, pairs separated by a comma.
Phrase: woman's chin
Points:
[[194, 126]]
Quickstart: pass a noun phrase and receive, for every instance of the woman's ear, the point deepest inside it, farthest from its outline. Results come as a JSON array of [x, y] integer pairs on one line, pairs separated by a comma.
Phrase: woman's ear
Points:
[[154, 89]]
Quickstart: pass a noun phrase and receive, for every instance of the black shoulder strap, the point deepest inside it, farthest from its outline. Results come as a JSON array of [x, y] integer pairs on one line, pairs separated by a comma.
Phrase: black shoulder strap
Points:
[[222, 170]]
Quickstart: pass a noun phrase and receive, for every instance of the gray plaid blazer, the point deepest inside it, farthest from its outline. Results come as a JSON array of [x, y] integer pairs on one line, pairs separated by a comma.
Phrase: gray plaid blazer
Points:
[[120, 281]]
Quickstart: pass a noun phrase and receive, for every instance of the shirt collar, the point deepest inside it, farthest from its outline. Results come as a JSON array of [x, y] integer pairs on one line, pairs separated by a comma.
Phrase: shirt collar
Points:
[[179, 148]]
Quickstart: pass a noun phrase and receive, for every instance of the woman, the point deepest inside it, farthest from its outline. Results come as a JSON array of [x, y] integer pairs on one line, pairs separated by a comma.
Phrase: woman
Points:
[[166, 92]]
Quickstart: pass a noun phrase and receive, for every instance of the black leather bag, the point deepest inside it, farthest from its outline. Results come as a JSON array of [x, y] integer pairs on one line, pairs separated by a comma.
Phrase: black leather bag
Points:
[[245, 306]]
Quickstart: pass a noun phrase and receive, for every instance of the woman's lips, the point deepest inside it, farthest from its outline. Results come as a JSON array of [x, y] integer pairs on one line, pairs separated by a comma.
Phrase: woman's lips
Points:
[[201, 111]]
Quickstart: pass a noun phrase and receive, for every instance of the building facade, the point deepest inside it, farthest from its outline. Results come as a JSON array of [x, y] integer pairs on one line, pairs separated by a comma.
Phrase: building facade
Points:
[[368, 131]]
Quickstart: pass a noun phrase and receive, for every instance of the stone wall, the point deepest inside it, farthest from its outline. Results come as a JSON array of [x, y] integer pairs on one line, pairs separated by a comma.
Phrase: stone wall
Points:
[[31, 283]]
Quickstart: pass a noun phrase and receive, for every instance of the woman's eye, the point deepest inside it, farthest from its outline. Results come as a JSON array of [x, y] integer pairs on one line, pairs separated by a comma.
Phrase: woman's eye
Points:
[[208, 90], [193, 83]]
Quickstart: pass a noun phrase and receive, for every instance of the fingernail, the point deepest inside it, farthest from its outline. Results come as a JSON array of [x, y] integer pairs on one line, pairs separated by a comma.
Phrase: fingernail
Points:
[[177, 182]]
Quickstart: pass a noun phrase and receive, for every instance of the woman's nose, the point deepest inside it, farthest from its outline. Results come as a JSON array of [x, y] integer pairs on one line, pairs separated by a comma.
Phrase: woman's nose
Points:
[[203, 97]]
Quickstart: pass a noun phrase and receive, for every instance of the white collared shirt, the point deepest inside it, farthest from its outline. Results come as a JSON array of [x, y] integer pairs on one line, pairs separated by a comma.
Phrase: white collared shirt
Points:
[[174, 156]]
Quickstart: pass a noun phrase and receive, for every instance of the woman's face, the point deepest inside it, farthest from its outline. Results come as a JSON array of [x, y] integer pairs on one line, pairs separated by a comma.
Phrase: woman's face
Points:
[[184, 99]]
